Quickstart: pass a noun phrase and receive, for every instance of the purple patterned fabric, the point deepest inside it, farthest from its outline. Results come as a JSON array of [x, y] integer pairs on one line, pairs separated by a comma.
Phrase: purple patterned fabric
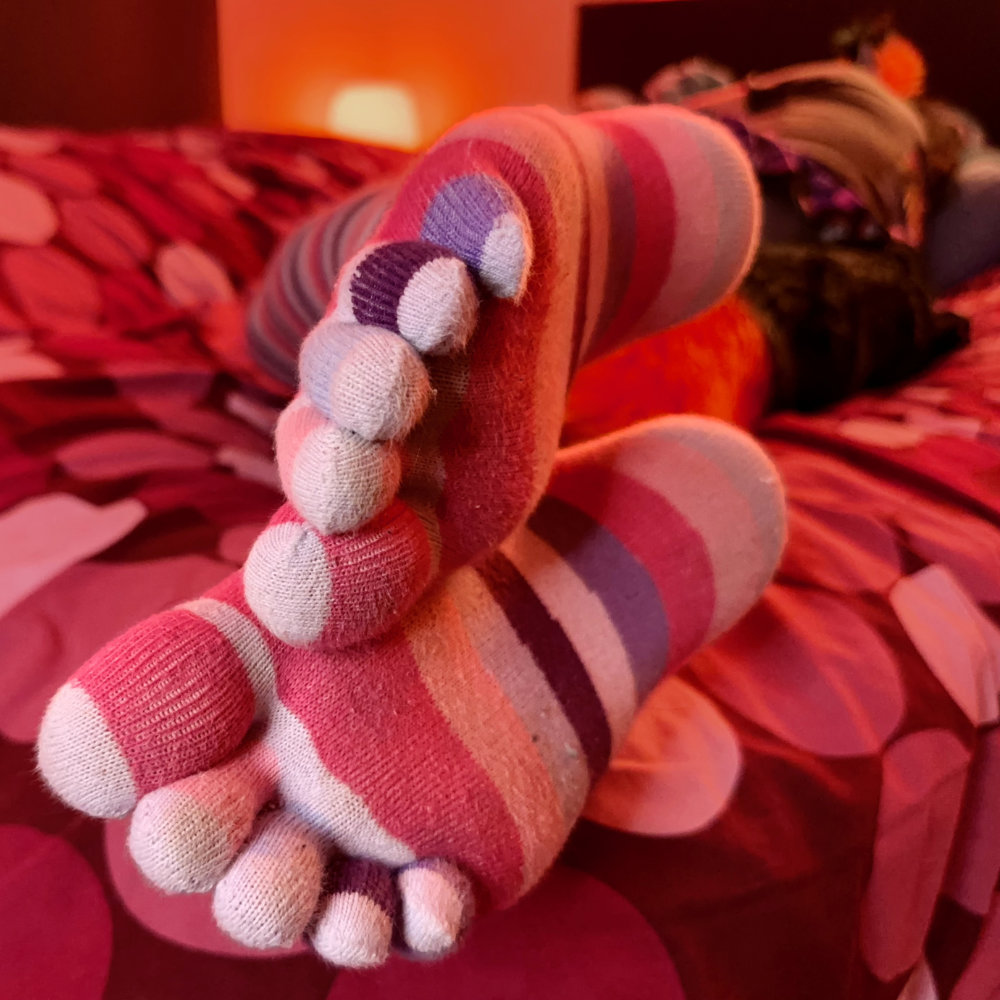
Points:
[[819, 193]]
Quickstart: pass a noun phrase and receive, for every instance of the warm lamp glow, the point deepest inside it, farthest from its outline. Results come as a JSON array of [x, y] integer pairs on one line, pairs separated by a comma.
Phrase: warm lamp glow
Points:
[[383, 113]]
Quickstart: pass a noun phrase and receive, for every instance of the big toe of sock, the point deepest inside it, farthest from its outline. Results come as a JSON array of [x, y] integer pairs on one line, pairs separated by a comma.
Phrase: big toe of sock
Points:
[[80, 759]]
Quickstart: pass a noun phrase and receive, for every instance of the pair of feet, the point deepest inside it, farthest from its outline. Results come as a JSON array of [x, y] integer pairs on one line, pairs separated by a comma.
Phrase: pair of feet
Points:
[[393, 714]]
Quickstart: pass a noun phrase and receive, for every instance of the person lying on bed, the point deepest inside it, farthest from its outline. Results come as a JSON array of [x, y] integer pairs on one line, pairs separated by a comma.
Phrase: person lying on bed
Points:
[[831, 304], [962, 237], [390, 718], [838, 288]]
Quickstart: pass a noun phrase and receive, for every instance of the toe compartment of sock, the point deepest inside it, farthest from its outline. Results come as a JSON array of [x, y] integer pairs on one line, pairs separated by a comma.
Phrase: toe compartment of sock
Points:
[[328, 592], [367, 380], [270, 893], [80, 759], [178, 843], [336, 479], [437, 906], [169, 698], [417, 289]]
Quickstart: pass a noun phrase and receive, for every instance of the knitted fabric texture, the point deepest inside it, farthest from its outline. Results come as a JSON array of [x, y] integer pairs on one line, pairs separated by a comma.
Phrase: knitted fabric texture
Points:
[[441, 767], [432, 392]]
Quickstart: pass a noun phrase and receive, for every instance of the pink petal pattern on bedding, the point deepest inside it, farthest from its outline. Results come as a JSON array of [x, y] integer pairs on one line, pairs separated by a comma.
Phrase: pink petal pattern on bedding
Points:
[[957, 641], [797, 641], [190, 277], [923, 780], [677, 770], [26, 215], [120, 454], [51, 287], [108, 235], [55, 923], [44, 536]]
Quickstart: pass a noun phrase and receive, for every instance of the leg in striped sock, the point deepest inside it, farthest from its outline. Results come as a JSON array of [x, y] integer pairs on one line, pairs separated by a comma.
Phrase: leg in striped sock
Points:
[[432, 394], [385, 791]]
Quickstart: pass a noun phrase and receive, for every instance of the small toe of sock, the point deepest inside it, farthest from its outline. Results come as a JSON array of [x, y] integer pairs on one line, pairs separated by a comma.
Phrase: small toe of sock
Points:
[[287, 582], [270, 892], [438, 309], [437, 905], [178, 843], [355, 924], [503, 263], [417, 289], [184, 836], [327, 592], [481, 219], [80, 759], [366, 380], [336, 479]]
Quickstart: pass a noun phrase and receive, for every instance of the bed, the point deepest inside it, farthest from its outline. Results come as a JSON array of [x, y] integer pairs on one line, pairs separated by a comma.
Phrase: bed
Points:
[[810, 809]]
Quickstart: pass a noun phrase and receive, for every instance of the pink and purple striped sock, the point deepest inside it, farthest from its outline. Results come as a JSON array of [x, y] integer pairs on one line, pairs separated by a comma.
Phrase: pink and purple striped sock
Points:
[[382, 793], [432, 392]]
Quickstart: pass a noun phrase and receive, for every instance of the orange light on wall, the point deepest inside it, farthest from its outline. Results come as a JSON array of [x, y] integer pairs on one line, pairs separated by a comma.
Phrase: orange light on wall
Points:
[[283, 63], [383, 113]]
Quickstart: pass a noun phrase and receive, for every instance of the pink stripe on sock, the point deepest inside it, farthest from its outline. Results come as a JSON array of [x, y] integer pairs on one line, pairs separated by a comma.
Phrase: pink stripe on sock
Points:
[[502, 653], [709, 501], [655, 232], [695, 218], [347, 710], [667, 546], [466, 694], [174, 694]]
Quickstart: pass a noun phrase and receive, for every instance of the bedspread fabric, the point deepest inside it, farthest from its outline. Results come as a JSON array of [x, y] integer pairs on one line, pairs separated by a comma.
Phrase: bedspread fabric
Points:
[[810, 809]]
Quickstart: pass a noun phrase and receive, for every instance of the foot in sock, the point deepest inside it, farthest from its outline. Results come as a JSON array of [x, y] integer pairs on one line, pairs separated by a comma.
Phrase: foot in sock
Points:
[[432, 394], [379, 795]]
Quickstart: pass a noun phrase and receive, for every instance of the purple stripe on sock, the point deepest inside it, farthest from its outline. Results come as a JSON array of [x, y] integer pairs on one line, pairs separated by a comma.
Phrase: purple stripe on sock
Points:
[[266, 349], [290, 328], [364, 222], [554, 655], [313, 280], [299, 299], [621, 239], [463, 214], [619, 580], [382, 276], [737, 214], [348, 227], [368, 878]]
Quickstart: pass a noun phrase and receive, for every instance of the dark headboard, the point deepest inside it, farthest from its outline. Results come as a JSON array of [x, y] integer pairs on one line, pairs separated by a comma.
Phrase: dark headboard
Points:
[[626, 43], [102, 64]]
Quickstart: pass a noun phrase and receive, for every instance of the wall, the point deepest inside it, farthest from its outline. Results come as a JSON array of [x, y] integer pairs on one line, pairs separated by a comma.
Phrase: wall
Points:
[[104, 64], [627, 43], [281, 60]]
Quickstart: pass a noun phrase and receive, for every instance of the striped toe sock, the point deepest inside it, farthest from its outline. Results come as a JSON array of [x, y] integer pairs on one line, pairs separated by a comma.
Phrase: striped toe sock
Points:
[[500, 699], [440, 768], [523, 244]]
